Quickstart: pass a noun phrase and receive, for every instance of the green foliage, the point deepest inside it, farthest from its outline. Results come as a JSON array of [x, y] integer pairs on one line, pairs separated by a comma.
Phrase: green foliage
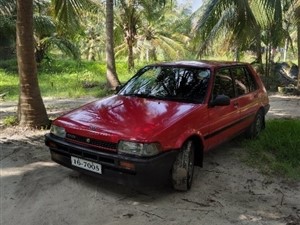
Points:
[[63, 78], [276, 150], [10, 121], [9, 66], [146, 24], [9, 79]]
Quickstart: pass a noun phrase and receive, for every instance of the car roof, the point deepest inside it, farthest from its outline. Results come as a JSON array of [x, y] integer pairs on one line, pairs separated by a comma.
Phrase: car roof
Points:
[[200, 63]]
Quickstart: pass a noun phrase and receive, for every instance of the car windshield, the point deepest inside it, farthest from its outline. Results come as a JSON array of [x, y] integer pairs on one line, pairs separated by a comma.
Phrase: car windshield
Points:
[[185, 84]]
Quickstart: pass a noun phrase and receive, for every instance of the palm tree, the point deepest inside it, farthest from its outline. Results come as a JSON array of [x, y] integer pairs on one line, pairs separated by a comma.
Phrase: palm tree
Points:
[[93, 44], [46, 38], [130, 14], [232, 20], [277, 8], [31, 109], [297, 14], [154, 41], [111, 74], [46, 32]]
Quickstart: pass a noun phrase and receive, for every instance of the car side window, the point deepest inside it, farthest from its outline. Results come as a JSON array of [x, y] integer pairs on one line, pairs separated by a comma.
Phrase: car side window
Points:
[[244, 82], [251, 81], [240, 80], [223, 84]]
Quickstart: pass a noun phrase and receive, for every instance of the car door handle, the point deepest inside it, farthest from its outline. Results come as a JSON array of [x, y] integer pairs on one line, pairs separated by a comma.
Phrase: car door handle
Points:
[[236, 105]]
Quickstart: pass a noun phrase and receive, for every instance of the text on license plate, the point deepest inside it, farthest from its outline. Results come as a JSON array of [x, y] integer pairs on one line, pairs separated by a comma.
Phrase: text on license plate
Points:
[[87, 165]]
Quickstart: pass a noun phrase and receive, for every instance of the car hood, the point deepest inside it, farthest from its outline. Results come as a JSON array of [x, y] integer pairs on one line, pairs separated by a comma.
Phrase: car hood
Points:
[[125, 117]]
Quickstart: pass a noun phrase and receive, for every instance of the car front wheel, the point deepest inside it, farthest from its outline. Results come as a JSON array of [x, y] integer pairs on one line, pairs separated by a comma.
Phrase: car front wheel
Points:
[[257, 125], [183, 167]]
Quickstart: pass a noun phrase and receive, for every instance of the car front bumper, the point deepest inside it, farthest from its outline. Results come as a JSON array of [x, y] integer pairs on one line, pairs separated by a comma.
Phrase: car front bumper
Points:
[[145, 172]]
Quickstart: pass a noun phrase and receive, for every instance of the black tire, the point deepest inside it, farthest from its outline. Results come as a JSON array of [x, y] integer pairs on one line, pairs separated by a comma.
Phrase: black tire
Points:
[[183, 167], [257, 126]]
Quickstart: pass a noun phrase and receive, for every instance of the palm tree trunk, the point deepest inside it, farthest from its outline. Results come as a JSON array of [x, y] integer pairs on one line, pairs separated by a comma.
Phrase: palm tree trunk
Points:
[[130, 41], [111, 74], [31, 109], [258, 48], [298, 43], [286, 46]]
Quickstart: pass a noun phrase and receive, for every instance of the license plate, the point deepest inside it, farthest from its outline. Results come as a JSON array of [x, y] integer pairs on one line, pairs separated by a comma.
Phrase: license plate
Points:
[[87, 165]]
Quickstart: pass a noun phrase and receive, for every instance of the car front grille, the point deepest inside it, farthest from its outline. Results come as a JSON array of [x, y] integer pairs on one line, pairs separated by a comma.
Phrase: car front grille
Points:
[[94, 143]]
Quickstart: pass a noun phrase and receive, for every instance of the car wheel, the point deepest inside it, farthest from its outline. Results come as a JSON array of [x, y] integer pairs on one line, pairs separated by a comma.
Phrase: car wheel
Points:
[[257, 126], [183, 167]]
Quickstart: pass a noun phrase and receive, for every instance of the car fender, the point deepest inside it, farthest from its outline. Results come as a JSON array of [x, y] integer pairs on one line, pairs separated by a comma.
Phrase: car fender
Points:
[[188, 134]]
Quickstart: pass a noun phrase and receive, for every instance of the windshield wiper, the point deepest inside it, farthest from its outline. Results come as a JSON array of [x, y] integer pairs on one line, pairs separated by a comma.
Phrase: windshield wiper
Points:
[[140, 95], [184, 99]]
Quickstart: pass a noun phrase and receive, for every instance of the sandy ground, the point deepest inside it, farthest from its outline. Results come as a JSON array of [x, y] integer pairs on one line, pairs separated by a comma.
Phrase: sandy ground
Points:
[[37, 191]]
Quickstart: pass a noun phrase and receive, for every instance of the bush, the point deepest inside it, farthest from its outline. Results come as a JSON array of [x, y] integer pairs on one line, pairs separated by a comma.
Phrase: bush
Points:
[[9, 121]]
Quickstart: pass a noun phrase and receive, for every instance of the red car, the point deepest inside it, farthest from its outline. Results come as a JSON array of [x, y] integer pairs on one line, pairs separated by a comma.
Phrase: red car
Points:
[[161, 122]]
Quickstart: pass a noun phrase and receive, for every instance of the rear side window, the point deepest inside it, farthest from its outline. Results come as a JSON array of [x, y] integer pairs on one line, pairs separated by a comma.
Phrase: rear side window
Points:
[[223, 84], [244, 82]]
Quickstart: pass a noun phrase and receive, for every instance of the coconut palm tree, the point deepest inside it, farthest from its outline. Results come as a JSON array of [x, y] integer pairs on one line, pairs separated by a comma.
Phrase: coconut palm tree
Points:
[[31, 109], [46, 31], [154, 41], [46, 38], [111, 73], [293, 8], [233, 20], [130, 16], [297, 15]]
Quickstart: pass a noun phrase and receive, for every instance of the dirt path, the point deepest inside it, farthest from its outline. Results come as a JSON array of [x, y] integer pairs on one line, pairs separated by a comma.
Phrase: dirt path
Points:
[[36, 191]]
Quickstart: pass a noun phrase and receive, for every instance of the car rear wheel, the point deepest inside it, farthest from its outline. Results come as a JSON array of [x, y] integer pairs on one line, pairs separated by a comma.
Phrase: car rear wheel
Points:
[[257, 125], [183, 167]]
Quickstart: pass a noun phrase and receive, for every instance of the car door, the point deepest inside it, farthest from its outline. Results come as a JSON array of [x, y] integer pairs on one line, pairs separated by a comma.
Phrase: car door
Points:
[[223, 119], [247, 95]]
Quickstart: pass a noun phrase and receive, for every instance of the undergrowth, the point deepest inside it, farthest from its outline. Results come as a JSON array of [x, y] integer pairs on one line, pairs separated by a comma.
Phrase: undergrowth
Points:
[[277, 150], [63, 78]]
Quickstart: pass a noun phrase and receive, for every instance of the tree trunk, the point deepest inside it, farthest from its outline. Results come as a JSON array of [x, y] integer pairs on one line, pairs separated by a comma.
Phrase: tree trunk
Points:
[[258, 49], [111, 74], [130, 41], [236, 57], [298, 44], [286, 46], [31, 109]]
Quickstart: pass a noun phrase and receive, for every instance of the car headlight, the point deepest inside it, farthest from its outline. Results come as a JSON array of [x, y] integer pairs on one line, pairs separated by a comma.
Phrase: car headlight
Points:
[[139, 149], [58, 131]]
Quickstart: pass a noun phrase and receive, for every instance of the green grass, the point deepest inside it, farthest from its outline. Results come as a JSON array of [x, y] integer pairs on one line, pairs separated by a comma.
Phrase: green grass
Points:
[[277, 150], [63, 78]]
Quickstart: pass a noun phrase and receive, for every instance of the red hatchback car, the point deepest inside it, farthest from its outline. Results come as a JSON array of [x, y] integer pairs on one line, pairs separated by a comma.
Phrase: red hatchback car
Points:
[[161, 122]]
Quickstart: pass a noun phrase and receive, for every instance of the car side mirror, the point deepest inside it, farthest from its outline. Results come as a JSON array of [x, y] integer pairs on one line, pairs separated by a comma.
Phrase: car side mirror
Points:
[[220, 100]]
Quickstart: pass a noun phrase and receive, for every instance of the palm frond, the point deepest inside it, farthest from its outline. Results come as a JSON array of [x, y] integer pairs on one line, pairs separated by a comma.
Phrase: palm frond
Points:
[[7, 7], [121, 50], [67, 12], [64, 45], [234, 17], [43, 25]]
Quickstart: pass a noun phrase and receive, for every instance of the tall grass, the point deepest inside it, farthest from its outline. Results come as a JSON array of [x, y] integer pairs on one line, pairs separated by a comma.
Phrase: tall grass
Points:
[[63, 78], [277, 150]]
